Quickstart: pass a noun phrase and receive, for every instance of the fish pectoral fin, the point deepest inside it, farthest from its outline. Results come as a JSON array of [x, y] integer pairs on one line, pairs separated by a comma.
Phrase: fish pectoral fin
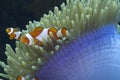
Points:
[[12, 36]]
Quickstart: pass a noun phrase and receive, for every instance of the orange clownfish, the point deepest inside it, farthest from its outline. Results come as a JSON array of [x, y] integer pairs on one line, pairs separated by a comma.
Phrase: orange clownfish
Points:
[[22, 78], [14, 33], [39, 32]]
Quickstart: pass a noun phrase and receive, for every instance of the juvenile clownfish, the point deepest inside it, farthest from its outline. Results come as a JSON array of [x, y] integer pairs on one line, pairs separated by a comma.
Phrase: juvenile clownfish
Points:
[[39, 32], [22, 78], [14, 33]]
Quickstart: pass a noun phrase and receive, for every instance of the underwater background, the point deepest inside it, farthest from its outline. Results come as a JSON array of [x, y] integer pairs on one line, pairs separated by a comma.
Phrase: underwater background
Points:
[[18, 13]]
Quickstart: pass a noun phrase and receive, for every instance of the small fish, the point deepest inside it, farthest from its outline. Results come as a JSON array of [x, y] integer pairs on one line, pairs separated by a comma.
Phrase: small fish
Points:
[[22, 78], [14, 33], [38, 33]]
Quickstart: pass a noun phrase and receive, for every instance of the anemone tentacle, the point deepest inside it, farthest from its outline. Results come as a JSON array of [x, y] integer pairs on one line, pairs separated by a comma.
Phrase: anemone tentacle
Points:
[[78, 16]]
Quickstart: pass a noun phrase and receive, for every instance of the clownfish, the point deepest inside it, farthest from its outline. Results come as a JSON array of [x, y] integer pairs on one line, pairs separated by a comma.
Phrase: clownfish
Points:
[[22, 78], [14, 33], [39, 32], [36, 35]]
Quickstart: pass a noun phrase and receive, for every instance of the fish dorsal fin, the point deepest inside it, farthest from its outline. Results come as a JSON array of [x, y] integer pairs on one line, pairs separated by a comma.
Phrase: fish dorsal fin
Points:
[[36, 32], [16, 29]]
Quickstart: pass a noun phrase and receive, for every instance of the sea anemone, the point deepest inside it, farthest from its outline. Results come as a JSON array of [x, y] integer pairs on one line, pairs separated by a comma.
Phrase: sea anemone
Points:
[[90, 51]]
